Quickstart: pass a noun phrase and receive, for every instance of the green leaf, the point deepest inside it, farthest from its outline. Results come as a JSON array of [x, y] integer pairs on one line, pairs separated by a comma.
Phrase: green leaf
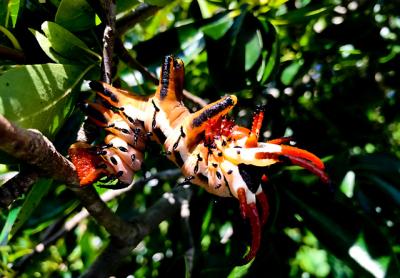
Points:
[[301, 15], [13, 8], [217, 29], [31, 201], [45, 44], [75, 15], [249, 48], [289, 73], [159, 3], [125, 5], [39, 96], [3, 13], [12, 216], [67, 44]]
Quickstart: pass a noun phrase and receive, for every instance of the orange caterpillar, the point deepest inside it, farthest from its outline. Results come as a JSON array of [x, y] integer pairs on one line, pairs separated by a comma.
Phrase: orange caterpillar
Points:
[[212, 151]]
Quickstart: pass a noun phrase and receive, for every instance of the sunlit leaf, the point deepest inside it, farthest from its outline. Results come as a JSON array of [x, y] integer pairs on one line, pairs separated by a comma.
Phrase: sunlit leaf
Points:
[[7, 176], [67, 44], [39, 96], [46, 46]]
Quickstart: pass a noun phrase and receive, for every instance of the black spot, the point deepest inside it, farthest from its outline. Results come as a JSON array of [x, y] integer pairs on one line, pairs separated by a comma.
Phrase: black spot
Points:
[[165, 72], [223, 143], [220, 154], [238, 152], [124, 130], [129, 118], [176, 143], [101, 153], [199, 158], [94, 113], [215, 165], [229, 172], [178, 159], [218, 186], [251, 176], [119, 174], [123, 149], [136, 131], [202, 177], [96, 86], [196, 169], [133, 157], [155, 106], [218, 175], [182, 133], [101, 166], [113, 160], [160, 135], [212, 111]]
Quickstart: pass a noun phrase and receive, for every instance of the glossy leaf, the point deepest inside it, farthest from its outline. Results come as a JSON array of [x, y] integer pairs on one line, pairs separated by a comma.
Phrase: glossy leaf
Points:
[[247, 46], [39, 96], [46, 46], [75, 15], [67, 45], [11, 218]]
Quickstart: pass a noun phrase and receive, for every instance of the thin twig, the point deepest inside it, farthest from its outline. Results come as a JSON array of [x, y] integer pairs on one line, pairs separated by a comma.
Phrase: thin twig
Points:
[[117, 251], [195, 99], [73, 221], [108, 40], [127, 58], [7, 53]]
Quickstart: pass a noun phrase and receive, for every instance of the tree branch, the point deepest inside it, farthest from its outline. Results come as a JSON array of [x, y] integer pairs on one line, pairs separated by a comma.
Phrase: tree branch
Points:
[[142, 12], [35, 149], [108, 40], [117, 251], [11, 54], [73, 221], [31, 146]]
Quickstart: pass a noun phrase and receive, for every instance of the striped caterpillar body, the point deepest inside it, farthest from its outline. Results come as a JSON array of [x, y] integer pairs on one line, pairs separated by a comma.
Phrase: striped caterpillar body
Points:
[[212, 151]]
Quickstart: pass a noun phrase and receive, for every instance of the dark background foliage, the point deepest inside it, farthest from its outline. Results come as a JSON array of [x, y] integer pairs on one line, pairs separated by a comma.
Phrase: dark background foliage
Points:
[[327, 72]]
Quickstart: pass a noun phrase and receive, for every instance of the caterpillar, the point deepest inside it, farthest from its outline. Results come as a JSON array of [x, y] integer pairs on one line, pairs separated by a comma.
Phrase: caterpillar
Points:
[[210, 149]]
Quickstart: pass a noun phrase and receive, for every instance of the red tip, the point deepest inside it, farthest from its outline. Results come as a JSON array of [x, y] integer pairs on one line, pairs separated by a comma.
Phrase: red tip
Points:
[[252, 214], [310, 167], [303, 154]]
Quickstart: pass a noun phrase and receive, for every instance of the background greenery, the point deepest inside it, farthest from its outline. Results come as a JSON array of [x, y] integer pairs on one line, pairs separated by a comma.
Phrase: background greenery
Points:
[[327, 71]]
